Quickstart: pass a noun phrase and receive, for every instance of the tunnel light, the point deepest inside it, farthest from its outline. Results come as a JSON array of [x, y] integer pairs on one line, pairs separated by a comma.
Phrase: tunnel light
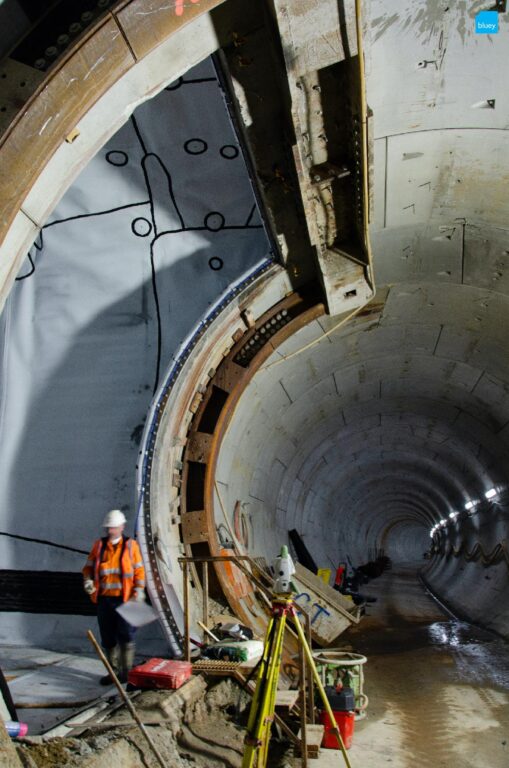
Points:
[[442, 523], [469, 505], [491, 493], [453, 515]]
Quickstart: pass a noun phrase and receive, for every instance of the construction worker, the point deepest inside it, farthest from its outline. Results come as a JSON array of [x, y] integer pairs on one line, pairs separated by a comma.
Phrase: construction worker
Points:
[[113, 574]]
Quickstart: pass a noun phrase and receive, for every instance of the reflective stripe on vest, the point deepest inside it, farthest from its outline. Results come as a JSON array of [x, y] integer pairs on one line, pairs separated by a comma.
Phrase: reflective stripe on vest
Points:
[[108, 586], [102, 573]]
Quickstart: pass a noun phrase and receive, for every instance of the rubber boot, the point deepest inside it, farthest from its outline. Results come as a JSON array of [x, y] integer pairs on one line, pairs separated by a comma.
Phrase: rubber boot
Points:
[[112, 656], [126, 660]]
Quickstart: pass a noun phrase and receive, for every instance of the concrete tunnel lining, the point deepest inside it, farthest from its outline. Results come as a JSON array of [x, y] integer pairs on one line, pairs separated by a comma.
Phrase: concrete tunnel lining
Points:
[[468, 389], [268, 434], [476, 450], [366, 439], [450, 349], [458, 400]]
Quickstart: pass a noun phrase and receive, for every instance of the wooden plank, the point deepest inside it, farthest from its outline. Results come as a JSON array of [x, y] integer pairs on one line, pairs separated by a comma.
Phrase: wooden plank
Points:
[[195, 402], [326, 758], [287, 699], [53, 704], [115, 723], [324, 606], [147, 23], [314, 736], [315, 31], [194, 527], [205, 592], [250, 687], [324, 590]]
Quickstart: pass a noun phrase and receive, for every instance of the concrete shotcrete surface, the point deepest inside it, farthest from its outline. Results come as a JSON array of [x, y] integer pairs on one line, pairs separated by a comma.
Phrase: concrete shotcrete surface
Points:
[[438, 687]]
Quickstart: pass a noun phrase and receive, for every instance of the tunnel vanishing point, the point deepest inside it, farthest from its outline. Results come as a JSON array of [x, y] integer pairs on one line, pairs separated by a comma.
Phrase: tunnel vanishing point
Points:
[[352, 384]]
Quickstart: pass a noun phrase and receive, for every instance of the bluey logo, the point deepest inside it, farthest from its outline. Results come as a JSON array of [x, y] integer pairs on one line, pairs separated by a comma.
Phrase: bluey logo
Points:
[[486, 23]]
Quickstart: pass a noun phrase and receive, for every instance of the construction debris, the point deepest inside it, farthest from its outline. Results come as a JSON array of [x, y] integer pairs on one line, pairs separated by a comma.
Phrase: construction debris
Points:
[[194, 730], [8, 755]]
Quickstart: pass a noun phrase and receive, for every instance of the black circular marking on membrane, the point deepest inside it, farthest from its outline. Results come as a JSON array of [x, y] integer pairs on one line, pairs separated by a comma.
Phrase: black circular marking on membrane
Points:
[[214, 221], [117, 157], [195, 146], [141, 227], [229, 152], [216, 263]]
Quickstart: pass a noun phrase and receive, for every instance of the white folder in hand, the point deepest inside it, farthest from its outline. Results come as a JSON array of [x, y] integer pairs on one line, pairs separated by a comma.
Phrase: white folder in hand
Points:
[[137, 614]]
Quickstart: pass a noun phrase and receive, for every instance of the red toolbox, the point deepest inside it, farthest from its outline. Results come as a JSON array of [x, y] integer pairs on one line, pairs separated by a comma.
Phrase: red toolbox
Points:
[[345, 722], [160, 673]]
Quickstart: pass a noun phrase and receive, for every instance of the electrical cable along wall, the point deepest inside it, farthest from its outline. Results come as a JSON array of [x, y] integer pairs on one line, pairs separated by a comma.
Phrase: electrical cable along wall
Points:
[[469, 556]]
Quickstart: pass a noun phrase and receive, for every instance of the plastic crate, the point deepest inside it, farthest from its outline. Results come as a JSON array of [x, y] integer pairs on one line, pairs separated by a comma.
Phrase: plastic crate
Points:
[[160, 673]]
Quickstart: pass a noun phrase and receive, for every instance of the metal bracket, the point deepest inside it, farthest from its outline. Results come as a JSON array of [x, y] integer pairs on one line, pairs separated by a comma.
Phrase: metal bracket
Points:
[[326, 172]]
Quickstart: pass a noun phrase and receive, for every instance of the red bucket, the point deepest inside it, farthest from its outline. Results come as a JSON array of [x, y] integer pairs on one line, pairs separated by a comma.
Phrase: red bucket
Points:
[[345, 722]]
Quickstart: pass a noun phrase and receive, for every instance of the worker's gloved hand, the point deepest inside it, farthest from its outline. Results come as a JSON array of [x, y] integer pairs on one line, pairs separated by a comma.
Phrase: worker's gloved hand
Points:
[[89, 586], [139, 595]]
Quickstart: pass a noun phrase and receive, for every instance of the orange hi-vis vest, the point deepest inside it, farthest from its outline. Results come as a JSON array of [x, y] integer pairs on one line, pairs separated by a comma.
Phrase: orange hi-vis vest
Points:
[[116, 569]]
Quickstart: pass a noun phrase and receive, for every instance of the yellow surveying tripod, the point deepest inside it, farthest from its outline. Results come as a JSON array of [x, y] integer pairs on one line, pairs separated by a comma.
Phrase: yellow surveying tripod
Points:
[[261, 714]]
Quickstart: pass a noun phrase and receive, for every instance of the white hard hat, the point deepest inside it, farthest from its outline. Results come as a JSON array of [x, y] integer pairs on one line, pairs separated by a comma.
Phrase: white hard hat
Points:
[[113, 518]]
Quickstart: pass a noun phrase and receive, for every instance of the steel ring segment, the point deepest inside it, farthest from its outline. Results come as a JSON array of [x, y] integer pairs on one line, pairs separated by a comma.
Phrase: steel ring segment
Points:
[[207, 430], [152, 433]]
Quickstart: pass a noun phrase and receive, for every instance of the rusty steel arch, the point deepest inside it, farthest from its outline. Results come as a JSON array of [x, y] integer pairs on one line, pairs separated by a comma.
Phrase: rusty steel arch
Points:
[[208, 428]]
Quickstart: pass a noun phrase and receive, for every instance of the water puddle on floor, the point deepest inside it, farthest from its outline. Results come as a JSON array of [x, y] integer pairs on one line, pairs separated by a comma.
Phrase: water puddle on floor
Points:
[[438, 688], [480, 657]]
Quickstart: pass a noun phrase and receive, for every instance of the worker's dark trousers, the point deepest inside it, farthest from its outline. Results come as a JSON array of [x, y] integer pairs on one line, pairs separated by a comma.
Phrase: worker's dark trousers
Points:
[[113, 628]]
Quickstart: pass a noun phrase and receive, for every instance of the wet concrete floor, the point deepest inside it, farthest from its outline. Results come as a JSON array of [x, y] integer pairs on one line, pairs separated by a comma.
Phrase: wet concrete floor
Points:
[[438, 688]]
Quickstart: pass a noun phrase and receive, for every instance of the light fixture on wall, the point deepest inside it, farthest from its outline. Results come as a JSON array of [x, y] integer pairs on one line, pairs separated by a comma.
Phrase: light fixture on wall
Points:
[[469, 505], [491, 493], [453, 515]]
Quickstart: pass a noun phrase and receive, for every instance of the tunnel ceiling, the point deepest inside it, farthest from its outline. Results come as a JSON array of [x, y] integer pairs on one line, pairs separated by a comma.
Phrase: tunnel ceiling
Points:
[[388, 424]]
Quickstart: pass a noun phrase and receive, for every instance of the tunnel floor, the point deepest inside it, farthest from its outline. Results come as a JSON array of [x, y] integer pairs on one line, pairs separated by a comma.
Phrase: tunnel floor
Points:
[[438, 687]]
